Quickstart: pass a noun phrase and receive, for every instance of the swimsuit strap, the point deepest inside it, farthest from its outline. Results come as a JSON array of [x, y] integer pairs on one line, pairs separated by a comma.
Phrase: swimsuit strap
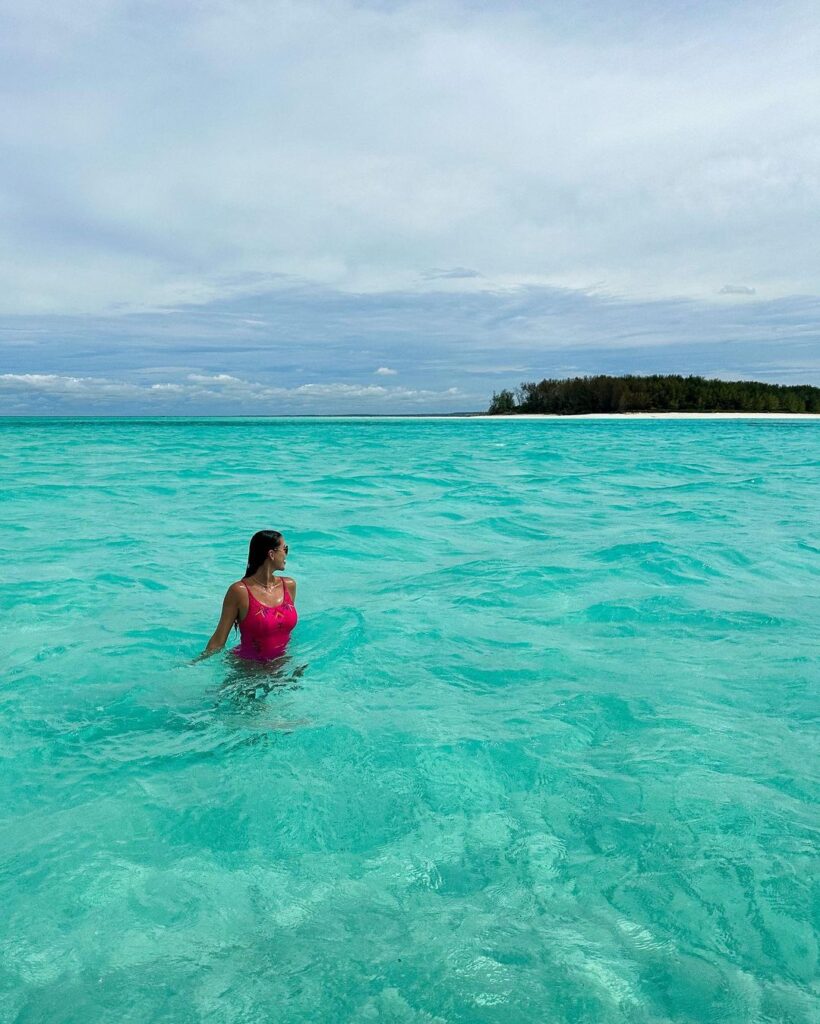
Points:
[[286, 595]]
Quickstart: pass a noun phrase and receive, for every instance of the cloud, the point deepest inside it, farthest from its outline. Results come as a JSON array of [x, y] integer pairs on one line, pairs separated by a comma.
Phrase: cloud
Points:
[[493, 371], [68, 387], [352, 145], [220, 392], [213, 378], [311, 196], [345, 390], [736, 289], [320, 338], [454, 274]]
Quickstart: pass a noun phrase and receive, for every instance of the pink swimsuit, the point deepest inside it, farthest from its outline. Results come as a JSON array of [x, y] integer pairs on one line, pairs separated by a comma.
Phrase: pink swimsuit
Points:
[[265, 630]]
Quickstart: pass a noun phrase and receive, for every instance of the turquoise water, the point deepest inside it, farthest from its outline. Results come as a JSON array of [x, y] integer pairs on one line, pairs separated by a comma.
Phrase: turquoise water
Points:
[[551, 756]]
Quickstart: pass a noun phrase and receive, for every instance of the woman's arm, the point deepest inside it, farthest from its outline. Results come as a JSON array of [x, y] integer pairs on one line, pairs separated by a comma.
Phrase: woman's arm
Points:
[[230, 613]]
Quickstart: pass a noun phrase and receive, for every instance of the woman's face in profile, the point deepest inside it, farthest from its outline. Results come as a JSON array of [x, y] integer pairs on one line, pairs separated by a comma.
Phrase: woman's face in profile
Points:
[[279, 554]]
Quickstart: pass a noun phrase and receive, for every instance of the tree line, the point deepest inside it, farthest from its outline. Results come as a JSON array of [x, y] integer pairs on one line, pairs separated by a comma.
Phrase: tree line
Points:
[[656, 393]]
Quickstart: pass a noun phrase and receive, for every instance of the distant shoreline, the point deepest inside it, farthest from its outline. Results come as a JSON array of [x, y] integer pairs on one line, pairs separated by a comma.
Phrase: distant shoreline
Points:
[[648, 416], [653, 393], [429, 416]]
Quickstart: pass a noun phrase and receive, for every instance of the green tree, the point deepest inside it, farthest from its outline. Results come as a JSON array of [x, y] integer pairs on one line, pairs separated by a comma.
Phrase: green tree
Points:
[[658, 392], [503, 403]]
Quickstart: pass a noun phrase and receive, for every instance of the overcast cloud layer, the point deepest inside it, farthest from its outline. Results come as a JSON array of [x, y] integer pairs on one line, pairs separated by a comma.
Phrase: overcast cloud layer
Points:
[[380, 184]]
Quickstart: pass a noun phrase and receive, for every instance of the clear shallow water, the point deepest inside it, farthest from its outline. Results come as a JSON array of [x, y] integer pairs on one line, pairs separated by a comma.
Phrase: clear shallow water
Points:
[[553, 756]]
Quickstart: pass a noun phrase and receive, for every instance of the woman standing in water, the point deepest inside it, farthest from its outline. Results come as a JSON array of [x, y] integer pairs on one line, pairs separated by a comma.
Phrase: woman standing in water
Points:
[[261, 603]]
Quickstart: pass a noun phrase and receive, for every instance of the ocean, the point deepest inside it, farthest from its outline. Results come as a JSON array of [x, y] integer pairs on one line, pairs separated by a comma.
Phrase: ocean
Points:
[[544, 748]]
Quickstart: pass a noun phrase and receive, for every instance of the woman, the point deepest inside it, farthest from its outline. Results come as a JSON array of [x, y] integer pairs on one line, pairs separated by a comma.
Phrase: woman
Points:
[[261, 603]]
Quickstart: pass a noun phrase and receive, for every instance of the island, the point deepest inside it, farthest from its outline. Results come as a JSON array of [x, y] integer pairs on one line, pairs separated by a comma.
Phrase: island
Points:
[[656, 393]]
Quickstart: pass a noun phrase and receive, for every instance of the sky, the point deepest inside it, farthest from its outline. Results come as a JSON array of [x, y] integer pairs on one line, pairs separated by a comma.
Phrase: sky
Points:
[[252, 206]]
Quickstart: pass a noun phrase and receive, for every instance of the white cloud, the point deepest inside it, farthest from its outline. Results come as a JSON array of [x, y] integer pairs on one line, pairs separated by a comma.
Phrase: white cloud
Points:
[[343, 390], [219, 390], [736, 289], [176, 153], [385, 371], [213, 378], [453, 274], [69, 387]]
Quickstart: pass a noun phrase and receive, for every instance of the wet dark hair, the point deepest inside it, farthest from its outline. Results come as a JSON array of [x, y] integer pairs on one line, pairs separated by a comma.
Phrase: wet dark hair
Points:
[[261, 543]]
